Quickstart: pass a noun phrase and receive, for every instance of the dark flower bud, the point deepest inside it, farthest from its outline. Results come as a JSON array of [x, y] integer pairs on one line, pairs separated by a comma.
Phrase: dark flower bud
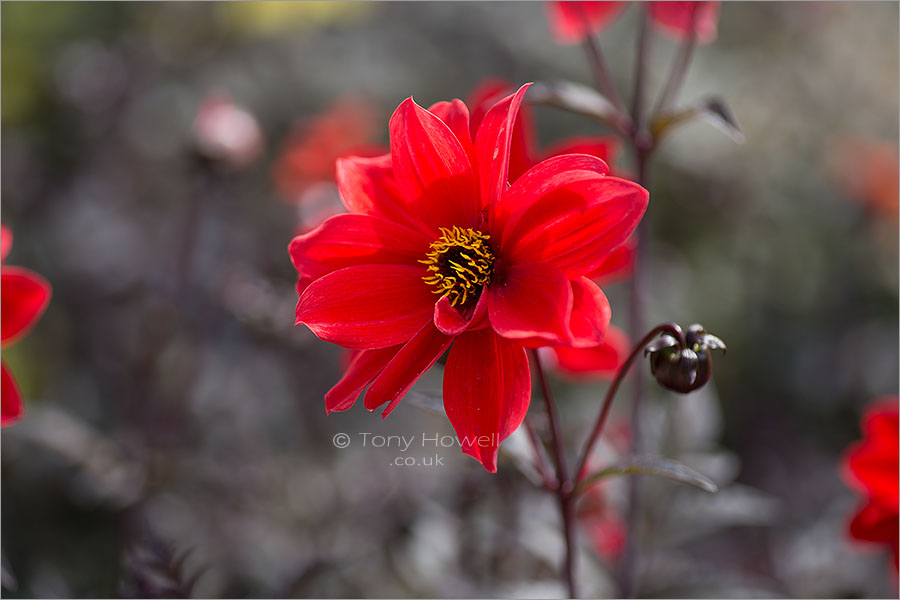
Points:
[[683, 367]]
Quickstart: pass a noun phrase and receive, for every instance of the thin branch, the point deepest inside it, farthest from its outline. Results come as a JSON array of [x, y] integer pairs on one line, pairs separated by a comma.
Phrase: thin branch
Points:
[[640, 70], [540, 458], [643, 143], [564, 489], [679, 68], [611, 394], [602, 78]]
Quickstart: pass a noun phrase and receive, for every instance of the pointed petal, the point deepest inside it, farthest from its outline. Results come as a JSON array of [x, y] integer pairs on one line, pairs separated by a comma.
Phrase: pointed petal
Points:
[[602, 361], [485, 95], [590, 313], [406, 367], [522, 146], [575, 224], [492, 146], [531, 301], [456, 115], [24, 298], [11, 399], [352, 240], [369, 306], [453, 322], [487, 387], [541, 179], [432, 169], [364, 367]]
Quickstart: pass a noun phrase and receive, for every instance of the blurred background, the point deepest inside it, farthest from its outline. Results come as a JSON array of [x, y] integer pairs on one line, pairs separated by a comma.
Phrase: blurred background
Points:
[[157, 160]]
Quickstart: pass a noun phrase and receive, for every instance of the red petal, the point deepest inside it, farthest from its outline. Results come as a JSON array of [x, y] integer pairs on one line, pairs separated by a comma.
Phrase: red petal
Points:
[[367, 186], [875, 522], [365, 366], [24, 297], [6, 240], [575, 223], [484, 97], [450, 321], [572, 21], [882, 418], [369, 306], [603, 147], [530, 301], [487, 387], [590, 313], [618, 264], [406, 367], [521, 151], [456, 115], [432, 169], [541, 179], [678, 18], [492, 146], [11, 400], [872, 464], [351, 240], [602, 361]]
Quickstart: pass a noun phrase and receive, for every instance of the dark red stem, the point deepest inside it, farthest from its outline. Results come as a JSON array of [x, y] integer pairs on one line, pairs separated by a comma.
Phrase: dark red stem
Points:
[[597, 431], [565, 486], [679, 67]]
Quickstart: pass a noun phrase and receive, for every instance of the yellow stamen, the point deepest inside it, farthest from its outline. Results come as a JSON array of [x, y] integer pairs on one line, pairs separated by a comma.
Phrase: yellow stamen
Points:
[[460, 263]]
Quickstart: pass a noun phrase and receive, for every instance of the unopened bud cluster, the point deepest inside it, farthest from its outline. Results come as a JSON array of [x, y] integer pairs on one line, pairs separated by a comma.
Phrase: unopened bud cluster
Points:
[[683, 366]]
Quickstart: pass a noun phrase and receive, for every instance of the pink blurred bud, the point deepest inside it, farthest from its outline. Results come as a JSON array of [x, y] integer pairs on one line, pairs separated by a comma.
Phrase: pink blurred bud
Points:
[[224, 131]]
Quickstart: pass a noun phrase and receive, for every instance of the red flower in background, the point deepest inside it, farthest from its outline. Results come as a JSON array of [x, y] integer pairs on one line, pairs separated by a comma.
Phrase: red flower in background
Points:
[[439, 249], [346, 128], [599, 516], [24, 297], [604, 359], [871, 467], [304, 171], [869, 171], [679, 18], [573, 21]]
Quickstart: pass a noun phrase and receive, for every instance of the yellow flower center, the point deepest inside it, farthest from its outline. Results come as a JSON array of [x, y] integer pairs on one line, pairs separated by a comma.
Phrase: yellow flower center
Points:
[[460, 264]]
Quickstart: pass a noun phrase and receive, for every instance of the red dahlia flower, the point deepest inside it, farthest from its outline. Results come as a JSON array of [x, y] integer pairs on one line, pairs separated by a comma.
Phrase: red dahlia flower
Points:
[[23, 298], [871, 466], [573, 21], [439, 249]]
